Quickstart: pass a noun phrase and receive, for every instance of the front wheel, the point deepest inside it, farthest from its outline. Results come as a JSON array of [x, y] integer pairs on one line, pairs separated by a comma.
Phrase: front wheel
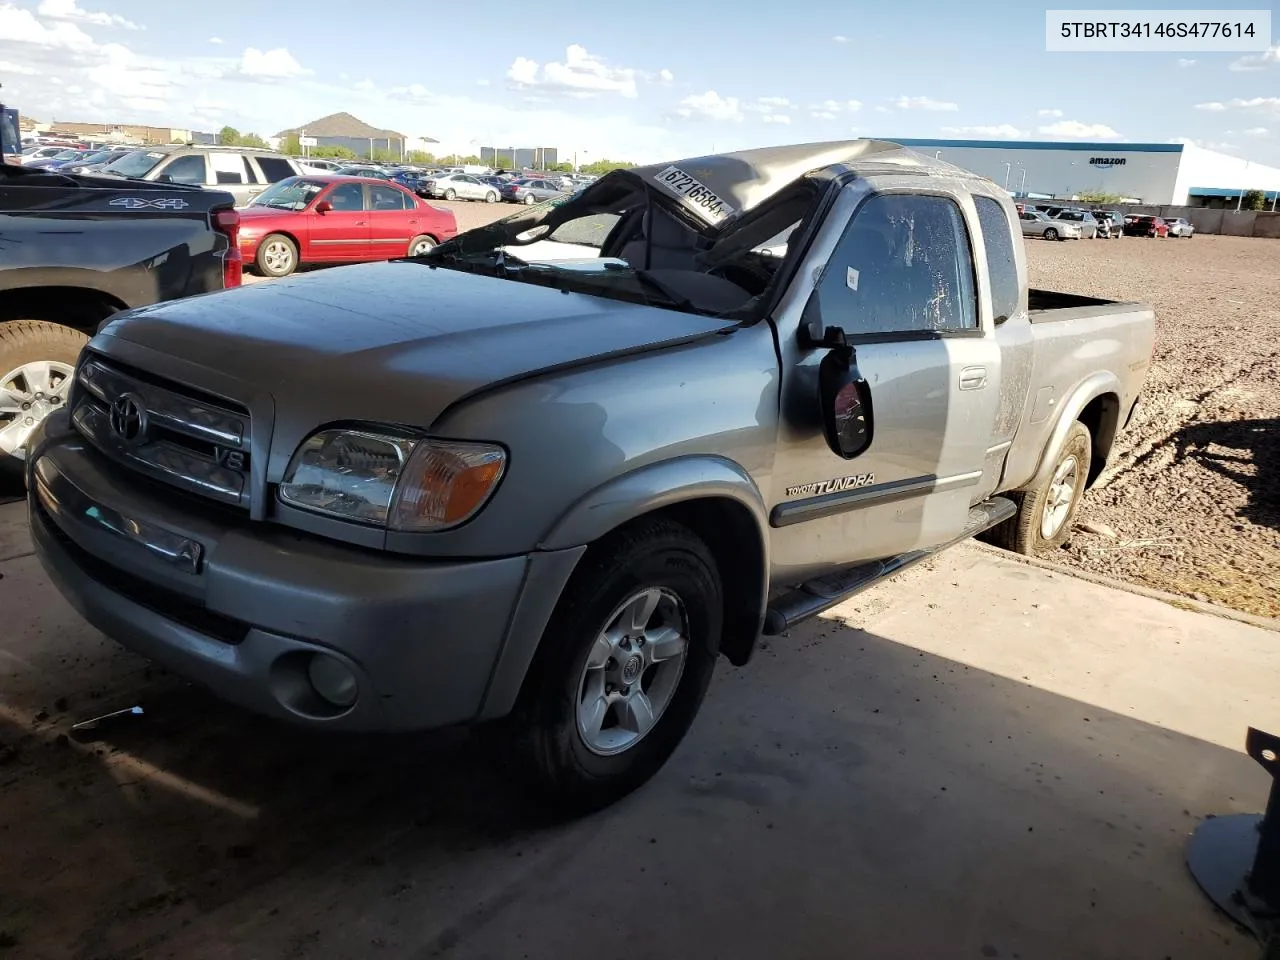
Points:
[[623, 667], [277, 255], [451, 194], [1051, 234], [1045, 515], [37, 361]]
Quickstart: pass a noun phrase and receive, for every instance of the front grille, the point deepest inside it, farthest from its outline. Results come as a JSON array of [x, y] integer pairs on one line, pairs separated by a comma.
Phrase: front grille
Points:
[[165, 430]]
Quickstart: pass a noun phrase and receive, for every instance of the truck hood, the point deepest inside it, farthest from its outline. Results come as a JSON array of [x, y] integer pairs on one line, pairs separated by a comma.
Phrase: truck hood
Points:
[[392, 342]]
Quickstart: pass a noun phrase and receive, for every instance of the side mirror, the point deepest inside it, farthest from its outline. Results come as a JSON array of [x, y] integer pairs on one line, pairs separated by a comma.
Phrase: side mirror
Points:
[[324, 206], [845, 398]]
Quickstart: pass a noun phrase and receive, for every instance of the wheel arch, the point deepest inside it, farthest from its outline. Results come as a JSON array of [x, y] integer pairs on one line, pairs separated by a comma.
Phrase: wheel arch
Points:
[[76, 307], [712, 496], [1096, 403], [288, 235]]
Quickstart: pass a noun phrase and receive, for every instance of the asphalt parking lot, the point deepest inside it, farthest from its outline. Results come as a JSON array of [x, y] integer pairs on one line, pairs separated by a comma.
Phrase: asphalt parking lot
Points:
[[958, 746]]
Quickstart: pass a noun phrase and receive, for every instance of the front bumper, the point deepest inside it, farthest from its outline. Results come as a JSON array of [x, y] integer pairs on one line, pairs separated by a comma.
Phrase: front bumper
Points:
[[242, 607]]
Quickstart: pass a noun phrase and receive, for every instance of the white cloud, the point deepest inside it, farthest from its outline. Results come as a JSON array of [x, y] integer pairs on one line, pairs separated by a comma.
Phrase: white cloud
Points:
[[276, 64], [1184, 62], [482, 82], [1052, 114], [1266, 105], [67, 10], [1075, 130], [880, 109], [777, 118], [1000, 131], [216, 40], [840, 39], [415, 93], [18, 26], [1256, 132], [823, 115], [582, 75], [853, 106], [17, 69], [1213, 106], [1257, 61], [365, 84], [141, 83], [666, 76], [710, 106], [924, 103], [774, 103]]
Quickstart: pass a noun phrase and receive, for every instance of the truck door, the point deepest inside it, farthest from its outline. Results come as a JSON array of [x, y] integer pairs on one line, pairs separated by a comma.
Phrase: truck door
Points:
[[901, 282]]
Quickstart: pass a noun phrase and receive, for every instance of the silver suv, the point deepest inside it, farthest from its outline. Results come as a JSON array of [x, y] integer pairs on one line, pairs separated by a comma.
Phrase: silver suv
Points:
[[244, 172]]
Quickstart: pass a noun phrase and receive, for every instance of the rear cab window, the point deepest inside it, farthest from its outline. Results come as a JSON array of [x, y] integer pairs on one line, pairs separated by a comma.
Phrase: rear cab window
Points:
[[1002, 267]]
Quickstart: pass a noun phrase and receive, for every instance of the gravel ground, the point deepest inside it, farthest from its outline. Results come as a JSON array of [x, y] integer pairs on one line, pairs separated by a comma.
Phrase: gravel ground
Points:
[[1191, 500]]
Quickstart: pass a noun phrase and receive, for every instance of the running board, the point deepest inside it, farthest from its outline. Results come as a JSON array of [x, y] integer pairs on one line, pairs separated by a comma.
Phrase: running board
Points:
[[823, 593]]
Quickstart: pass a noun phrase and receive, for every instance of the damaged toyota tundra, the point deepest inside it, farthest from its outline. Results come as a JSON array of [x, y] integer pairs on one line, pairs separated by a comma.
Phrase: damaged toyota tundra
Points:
[[541, 478]]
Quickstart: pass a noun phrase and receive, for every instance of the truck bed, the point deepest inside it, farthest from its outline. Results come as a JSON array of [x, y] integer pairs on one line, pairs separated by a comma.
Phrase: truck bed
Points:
[[1044, 306]]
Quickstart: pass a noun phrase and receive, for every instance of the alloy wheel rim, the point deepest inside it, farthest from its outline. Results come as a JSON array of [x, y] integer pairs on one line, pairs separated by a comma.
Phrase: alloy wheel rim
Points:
[[632, 671], [28, 394], [277, 257], [1062, 492]]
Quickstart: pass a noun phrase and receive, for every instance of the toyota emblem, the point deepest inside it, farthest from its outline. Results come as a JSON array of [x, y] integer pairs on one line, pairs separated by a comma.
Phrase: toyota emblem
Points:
[[129, 418]]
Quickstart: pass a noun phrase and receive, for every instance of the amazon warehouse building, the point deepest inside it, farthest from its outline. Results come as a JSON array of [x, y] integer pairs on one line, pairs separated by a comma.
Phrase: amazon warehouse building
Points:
[[1145, 173]]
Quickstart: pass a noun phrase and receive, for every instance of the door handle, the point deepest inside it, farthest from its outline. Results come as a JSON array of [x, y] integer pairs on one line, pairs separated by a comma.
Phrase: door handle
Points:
[[362, 223], [973, 378]]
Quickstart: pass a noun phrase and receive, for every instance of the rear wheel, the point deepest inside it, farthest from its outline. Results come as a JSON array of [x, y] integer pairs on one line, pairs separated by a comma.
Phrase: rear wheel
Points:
[[1045, 515], [419, 246], [37, 361], [623, 667], [530, 199], [491, 197], [277, 255]]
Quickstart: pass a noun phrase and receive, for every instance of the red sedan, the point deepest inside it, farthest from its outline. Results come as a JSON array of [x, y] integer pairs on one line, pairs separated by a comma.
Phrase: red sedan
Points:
[[331, 219]]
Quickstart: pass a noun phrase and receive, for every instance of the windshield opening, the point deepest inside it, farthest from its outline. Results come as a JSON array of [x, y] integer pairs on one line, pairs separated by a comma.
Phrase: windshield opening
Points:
[[288, 194], [134, 165]]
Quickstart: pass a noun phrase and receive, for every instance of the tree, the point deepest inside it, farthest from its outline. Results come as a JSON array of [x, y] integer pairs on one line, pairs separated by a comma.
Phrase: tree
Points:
[[383, 155], [1253, 200], [1099, 198], [420, 156], [292, 145], [561, 168], [252, 140], [601, 167], [503, 163], [229, 137], [334, 153]]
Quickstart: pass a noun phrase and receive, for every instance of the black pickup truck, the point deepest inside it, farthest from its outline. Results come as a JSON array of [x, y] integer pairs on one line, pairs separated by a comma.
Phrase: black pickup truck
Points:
[[76, 249]]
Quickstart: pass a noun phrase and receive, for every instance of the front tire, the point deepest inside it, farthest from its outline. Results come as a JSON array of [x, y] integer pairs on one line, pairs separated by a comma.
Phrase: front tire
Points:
[[451, 194], [623, 667], [277, 256], [1051, 234], [37, 361], [1044, 517]]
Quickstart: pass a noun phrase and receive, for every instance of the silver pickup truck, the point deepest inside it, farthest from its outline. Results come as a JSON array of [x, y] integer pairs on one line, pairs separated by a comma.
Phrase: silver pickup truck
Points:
[[543, 477]]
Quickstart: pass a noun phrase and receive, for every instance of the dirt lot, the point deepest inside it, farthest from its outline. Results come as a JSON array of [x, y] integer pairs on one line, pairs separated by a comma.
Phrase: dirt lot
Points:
[[1193, 497]]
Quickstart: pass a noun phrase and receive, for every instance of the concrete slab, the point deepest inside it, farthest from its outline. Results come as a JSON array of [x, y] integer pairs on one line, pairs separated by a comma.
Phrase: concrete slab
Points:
[[980, 759]]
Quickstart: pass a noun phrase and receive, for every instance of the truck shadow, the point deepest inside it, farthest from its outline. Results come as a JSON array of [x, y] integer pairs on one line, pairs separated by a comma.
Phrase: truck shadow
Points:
[[841, 766], [1245, 451]]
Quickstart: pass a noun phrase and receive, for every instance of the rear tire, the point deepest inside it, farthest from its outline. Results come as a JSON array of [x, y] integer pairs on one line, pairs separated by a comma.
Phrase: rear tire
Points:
[[530, 199], [37, 360], [420, 246], [1044, 517], [491, 197], [577, 753]]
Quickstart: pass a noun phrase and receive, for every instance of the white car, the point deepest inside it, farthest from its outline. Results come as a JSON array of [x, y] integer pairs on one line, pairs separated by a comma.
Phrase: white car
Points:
[[1038, 224], [461, 186], [1181, 228]]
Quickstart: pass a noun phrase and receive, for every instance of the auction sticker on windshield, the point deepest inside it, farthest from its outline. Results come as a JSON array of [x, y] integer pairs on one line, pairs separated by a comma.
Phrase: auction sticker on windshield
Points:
[[698, 197]]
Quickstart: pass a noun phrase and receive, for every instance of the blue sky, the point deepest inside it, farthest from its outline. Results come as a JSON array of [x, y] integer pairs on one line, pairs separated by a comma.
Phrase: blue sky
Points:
[[666, 80]]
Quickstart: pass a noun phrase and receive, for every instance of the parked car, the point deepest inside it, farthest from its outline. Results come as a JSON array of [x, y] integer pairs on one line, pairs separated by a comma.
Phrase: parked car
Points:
[[373, 173], [1036, 223], [38, 152], [56, 161], [1083, 219], [1111, 223], [1143, 225], [244, 172], [337, 219], [321, 163], [531, 191], [460, 186], [91, 247], [413, 494], [1181, 227], [95, 160]]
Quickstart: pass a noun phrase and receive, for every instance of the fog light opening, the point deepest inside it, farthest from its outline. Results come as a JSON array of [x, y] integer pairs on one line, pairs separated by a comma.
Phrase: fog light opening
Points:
[[332, 680]]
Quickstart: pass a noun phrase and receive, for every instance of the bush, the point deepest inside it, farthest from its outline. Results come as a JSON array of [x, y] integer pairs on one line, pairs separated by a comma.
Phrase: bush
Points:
[[1253, 200]]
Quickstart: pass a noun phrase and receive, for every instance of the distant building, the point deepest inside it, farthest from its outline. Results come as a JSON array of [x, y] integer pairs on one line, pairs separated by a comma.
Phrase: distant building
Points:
[[351, 133], [536, 158], [126, 133]]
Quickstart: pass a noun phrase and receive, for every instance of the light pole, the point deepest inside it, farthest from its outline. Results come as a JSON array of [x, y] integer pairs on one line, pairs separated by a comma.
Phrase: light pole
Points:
[[1007, 168], [1022, 187], [1240, 196]]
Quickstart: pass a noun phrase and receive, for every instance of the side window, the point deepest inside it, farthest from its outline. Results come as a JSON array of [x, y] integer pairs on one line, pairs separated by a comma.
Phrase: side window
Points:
[[902, 266], [275, 169], [229, 168], [385, 198], [1006, 295], [186, 169], [347, 197]]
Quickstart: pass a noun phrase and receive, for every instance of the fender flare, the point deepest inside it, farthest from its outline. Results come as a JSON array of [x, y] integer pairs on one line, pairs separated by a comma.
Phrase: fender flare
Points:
[[651, 488], [1089, 389]]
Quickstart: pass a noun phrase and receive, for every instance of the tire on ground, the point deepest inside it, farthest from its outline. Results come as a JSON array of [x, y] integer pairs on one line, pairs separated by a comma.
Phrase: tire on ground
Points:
[[27, 341], [542, 735], [260, 259], [1024, 532]]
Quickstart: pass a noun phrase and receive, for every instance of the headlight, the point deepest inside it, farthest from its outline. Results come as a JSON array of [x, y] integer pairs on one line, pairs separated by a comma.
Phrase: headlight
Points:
[[401, 483]]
